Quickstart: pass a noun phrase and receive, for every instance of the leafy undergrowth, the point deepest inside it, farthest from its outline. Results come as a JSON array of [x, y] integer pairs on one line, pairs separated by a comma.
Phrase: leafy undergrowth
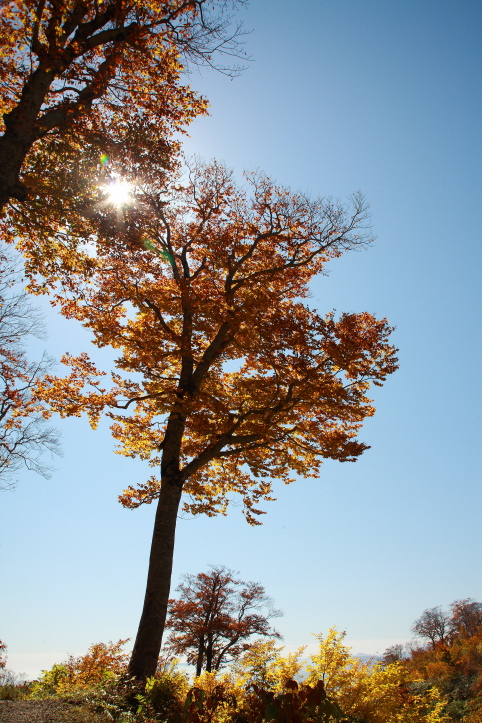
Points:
[[263, 685]]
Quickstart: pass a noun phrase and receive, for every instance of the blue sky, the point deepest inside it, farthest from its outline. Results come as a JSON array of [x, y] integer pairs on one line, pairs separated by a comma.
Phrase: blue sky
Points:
[[340, 95]]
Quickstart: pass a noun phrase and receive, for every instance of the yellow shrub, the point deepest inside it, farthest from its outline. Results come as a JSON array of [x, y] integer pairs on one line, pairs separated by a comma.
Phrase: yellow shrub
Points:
[[264, 665], [375, 693], [214, 698]]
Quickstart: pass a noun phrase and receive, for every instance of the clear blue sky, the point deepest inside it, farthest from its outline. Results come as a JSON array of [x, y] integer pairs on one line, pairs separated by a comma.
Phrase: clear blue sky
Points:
[[381, 96]]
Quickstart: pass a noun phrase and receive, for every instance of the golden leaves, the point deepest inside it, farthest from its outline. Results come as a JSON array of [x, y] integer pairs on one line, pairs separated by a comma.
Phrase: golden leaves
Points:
[[372, 692], [215, 342], [66, 396], [145, 492]]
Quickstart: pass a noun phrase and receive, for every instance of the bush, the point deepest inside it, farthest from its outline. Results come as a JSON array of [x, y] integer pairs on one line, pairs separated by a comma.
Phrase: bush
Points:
[[15, 691], [83, 675], [126, 700], [163, 697]]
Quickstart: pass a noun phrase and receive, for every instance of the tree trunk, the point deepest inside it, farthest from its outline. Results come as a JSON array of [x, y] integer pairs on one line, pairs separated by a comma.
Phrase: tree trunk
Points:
[[148, 643], [12, 155], [209, 655], [200, 656], [21, 133]]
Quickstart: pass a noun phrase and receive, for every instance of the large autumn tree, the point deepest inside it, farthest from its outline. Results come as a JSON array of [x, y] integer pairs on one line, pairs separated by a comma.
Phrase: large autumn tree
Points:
[[226, 379], [77, 72]]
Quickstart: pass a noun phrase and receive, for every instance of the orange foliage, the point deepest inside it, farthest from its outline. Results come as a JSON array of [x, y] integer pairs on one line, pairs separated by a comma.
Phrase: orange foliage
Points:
[[104, 662], [81, 73], [204, 277], [225, 378], [456, 669], [215, 617], [462, 656]]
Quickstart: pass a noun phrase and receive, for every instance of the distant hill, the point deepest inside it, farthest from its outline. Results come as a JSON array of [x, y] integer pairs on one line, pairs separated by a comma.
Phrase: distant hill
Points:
[[364, 657]]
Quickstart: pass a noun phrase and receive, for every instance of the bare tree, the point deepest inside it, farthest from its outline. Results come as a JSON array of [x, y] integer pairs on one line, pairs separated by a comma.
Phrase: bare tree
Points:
[[215, 617], [24, 433], [393, 654], [8, 677], [432, 624]]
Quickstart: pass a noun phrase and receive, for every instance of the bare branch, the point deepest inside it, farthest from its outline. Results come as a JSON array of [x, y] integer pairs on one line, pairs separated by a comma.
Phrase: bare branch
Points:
[[24, 434]]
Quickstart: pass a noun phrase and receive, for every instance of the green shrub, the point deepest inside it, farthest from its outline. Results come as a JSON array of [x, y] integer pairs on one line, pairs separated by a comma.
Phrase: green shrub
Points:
[[50, 681]]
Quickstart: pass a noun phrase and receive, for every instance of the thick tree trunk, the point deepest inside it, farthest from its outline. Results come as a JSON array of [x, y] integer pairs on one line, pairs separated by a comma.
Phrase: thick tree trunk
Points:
[[21, 133], [148, 643], [143, 662], [12, 156]]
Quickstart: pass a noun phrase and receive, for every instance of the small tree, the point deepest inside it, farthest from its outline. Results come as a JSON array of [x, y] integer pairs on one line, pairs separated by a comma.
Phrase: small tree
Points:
[[215, 616], [466, 618], [393, 654], [24, 433], [259, 665], [432, 624]]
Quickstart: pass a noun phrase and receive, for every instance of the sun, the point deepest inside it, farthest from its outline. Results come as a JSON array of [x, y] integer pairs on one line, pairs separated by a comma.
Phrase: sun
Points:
[[118, 193]]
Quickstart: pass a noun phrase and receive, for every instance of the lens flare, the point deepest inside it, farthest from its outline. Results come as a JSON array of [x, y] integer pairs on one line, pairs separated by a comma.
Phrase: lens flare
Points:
[[118, 193]]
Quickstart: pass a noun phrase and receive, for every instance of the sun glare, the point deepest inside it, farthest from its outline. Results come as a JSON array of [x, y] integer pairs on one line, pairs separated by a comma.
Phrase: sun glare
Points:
[[118, 193]]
